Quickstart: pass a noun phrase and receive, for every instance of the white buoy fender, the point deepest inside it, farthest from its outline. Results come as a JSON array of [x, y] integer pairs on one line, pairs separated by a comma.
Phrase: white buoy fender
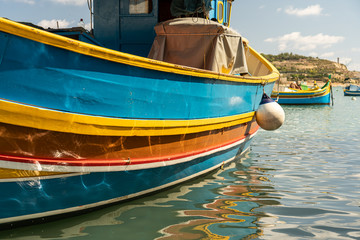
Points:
[[270, 115]]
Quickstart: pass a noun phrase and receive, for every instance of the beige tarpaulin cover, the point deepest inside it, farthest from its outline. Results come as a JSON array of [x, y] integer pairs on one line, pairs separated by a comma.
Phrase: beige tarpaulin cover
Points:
[[199, 43]]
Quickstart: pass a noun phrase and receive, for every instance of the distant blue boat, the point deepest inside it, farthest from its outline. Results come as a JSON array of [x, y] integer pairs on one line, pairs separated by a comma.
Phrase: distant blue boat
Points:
[[352, 90], [87, 120]]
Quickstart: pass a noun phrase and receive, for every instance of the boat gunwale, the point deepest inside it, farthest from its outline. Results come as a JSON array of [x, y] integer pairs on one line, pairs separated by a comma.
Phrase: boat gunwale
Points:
[[52, 39]]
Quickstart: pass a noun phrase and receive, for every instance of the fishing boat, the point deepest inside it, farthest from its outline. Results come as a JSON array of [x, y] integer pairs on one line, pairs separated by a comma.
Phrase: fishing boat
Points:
[[152, 96], [352, 90], [311, 96]]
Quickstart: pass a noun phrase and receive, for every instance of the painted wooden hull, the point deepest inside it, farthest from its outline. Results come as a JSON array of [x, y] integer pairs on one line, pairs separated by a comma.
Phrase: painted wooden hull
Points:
[[82, 126], [352, 90], [320, 96], [351, 93]]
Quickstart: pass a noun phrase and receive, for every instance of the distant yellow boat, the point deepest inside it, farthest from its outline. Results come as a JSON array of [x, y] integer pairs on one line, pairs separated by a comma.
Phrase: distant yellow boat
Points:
[[313, 96]]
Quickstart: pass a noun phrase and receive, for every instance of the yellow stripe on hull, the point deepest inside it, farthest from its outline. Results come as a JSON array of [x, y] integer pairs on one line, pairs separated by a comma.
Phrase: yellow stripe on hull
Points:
[[34, 117]]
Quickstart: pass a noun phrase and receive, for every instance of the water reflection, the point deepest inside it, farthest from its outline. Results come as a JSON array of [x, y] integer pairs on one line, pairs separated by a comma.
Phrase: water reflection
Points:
[[232, 215]]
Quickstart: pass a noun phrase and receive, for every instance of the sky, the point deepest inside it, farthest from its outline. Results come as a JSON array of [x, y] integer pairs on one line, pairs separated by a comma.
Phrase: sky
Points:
[[328, 29]]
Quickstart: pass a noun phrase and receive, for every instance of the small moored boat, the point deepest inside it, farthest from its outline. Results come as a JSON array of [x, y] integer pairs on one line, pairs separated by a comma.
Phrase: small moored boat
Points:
[[352, 90], [311, 96], [89, 119]]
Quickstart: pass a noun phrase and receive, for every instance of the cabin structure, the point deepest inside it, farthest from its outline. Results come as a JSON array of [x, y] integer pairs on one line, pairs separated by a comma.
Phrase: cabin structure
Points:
[[128, 25]]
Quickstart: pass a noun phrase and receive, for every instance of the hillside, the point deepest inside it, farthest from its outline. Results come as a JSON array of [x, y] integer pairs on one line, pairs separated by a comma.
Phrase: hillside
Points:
[[296, 67]]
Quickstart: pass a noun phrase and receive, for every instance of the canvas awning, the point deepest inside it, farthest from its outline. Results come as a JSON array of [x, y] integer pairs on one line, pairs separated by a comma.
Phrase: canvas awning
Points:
[[199, 43]]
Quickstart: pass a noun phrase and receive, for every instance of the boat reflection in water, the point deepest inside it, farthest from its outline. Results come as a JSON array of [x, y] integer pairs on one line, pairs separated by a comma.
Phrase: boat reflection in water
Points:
[[235, 214]]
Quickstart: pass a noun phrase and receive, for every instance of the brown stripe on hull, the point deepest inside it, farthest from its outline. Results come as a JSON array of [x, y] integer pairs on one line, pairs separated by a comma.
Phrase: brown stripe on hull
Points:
[[31, 142]]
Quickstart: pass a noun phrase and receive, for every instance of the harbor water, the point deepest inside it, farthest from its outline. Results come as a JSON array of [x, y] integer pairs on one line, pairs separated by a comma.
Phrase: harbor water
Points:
[[301, 181]]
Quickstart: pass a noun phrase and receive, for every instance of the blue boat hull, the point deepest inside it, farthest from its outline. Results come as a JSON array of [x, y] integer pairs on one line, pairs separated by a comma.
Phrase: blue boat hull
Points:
[[78, 83], [352, 90], [83, 126], [24, 199]]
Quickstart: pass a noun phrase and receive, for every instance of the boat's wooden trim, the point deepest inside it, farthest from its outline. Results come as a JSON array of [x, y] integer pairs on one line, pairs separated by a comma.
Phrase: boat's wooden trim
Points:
[[58, 41]]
